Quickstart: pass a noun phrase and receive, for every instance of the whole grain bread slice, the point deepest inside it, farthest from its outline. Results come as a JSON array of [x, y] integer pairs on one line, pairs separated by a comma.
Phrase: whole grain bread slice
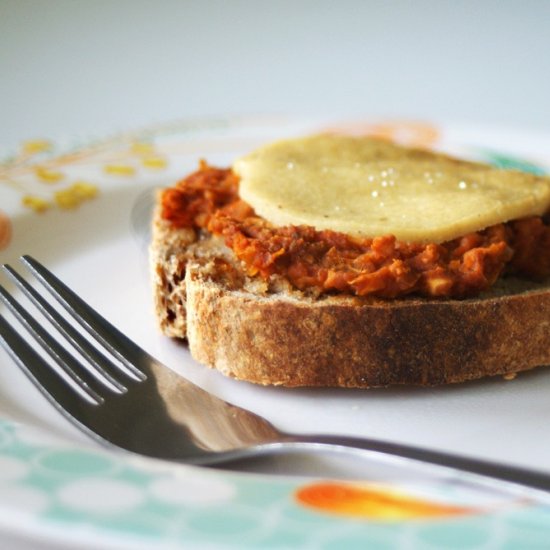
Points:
[[270, 333]]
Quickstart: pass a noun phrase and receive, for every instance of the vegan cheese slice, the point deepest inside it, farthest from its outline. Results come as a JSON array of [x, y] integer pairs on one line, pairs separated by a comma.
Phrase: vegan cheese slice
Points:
[[367, 187]]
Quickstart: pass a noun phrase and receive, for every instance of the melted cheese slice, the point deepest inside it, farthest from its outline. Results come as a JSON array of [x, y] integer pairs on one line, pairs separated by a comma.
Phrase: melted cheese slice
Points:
[[367, 187]]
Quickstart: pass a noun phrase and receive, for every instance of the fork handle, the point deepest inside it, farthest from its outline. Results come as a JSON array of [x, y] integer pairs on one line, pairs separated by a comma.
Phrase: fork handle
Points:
[[486, 471]]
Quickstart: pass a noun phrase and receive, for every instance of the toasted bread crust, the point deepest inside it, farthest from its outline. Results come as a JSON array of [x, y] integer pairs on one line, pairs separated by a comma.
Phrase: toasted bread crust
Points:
[[168, 260], [284, 337]]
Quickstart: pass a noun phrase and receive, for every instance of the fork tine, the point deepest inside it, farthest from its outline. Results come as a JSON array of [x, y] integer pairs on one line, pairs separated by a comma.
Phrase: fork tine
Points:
[[100, 364], [42, 374], [70, 365], [109, 336]]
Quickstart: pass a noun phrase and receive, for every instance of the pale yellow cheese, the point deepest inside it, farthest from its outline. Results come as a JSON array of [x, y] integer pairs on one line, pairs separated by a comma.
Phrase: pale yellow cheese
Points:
[[368, 187]]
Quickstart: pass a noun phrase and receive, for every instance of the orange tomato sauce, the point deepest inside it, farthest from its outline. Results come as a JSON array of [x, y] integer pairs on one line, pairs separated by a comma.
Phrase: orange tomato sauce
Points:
[[331, 262]]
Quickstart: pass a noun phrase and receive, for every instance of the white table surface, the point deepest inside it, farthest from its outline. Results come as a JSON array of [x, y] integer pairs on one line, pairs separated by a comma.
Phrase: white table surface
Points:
[[91, 68]]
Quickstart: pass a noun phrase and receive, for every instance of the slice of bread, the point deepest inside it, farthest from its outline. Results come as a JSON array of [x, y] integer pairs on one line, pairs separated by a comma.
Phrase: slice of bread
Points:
[[270, 333]]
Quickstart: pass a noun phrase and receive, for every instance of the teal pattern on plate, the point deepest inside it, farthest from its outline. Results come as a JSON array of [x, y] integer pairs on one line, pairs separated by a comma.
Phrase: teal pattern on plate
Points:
[[109, 496], [509, 162]]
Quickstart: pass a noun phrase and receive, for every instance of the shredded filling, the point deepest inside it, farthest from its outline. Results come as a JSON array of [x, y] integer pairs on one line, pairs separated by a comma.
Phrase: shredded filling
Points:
[[328, 261]]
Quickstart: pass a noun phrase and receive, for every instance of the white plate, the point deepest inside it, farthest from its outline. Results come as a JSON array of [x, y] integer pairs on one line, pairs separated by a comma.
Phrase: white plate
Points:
[[57, 486]]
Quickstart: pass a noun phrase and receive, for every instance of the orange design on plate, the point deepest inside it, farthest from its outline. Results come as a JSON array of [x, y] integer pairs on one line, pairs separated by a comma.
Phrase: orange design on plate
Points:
[[5, 231], [373, 502], [412, 133]]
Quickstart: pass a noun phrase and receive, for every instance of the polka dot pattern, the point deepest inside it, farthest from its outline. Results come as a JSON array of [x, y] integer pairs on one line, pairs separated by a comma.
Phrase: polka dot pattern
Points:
[[103, 494]]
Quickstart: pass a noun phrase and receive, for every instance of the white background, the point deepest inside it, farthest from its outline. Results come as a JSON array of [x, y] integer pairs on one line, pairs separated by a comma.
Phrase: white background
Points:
[[95, 67]]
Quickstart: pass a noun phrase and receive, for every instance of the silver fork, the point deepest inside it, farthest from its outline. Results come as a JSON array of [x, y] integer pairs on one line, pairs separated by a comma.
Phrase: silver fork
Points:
[[121, 396]]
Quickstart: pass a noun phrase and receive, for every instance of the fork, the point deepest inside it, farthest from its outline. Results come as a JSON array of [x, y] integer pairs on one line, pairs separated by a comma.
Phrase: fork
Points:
[[122, 397]]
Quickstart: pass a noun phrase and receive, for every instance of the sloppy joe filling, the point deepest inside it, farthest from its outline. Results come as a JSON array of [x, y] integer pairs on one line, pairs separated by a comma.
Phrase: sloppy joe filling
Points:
[[327, 261]]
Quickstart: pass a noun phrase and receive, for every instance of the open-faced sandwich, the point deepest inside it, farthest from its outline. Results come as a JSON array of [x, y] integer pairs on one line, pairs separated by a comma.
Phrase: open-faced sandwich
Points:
[[355, 262]]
